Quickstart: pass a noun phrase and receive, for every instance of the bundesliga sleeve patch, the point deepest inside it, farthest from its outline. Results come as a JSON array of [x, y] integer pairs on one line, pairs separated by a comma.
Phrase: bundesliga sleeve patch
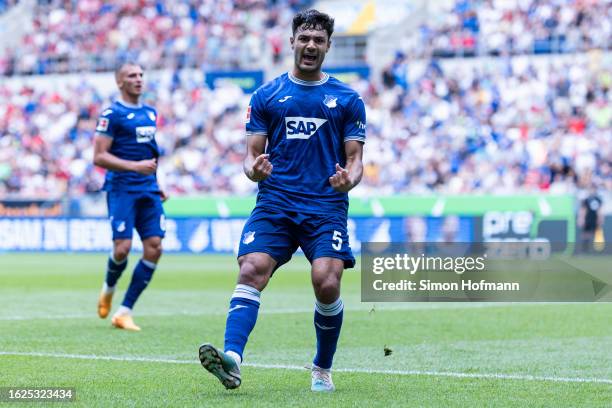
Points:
[[102, 125], [248, 115]]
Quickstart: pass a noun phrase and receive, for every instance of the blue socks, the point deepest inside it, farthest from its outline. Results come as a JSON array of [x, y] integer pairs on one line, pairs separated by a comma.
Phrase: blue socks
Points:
[[114, 270], [143, 272], [327, 321], [242, 315], [241, 318]]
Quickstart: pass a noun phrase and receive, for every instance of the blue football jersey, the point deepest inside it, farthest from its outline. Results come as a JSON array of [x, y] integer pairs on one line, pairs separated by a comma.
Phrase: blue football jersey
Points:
[[133, 131], [306, 124]]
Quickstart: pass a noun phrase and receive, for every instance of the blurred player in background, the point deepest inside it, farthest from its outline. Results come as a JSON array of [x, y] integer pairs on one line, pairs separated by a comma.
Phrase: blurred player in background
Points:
[[590, 219], [125, 145], [314, 129]]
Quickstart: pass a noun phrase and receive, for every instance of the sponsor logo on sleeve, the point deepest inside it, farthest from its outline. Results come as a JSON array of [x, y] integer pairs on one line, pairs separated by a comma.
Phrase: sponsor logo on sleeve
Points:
[[102, 125]]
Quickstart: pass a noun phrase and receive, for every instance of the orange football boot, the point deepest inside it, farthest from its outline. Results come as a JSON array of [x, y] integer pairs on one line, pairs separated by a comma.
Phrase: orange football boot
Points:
[[124, 322]]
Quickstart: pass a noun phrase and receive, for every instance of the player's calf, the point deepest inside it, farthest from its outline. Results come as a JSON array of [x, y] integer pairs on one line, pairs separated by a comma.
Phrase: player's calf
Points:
[[114, 269]]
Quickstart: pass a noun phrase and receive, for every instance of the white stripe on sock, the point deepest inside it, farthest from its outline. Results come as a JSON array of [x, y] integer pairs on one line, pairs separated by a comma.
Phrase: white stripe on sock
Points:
[[108, 289], [246, 292], [248, 288], [149, 264], [123, 310], [113, 260], [329, 310]]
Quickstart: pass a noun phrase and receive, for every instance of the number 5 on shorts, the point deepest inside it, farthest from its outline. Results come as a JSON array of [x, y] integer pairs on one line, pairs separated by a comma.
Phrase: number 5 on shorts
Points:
[[337, 238]]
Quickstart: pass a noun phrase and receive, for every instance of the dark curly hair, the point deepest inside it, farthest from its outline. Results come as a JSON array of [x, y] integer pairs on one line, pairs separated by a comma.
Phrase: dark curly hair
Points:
[[313, 20]]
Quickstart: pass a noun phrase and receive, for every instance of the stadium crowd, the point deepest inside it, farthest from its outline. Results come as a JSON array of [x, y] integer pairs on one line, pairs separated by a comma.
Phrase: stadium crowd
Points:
[[500, 126], [6, 4], [501, 27], [91, 35]]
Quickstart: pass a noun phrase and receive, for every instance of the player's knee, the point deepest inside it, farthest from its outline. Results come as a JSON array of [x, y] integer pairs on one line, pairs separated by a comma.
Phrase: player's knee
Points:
[[156, 248], [327, 288], [153, 249], [122, 250], [254, 271]]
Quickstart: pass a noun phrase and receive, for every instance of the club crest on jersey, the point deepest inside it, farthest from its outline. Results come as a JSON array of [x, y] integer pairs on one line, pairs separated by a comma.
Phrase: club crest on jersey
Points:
[[248, 237], [145, 134], [330, 101], [151, 115], [298, 127]]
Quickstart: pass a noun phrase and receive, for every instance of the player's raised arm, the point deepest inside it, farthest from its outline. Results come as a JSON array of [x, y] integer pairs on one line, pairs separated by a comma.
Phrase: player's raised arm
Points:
[[107, 160], [346, 178], [257, 167]]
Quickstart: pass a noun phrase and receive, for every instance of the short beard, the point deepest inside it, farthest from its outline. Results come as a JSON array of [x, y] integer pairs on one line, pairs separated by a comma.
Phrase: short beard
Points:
[[308, 69]]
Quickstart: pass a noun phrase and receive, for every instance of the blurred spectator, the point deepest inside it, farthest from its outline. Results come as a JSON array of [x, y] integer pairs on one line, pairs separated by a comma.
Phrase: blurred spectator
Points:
[[502, 27], [590, 219], [6, 4], [497, 127], [92, 35]]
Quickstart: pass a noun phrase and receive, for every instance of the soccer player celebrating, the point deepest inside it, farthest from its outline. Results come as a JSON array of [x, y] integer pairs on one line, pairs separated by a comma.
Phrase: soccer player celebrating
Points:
[[125, 146], [305, 135]]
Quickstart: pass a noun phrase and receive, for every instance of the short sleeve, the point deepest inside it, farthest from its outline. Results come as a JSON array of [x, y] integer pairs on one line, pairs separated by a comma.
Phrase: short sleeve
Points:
[[256, 123], [104, 125], [355, 123]]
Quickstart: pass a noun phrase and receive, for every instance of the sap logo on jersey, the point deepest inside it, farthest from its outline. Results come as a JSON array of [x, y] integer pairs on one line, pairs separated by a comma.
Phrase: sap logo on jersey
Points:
[[298, 127], [145, 134]]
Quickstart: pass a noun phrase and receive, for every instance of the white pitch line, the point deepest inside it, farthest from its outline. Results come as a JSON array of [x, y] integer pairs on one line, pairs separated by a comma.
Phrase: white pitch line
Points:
[[413, 307], [488, 376], [152, 314]]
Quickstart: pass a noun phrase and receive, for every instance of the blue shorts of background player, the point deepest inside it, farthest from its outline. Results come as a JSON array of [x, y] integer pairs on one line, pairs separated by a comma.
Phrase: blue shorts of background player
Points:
[[127, 210], [279, 233], [141, 210]]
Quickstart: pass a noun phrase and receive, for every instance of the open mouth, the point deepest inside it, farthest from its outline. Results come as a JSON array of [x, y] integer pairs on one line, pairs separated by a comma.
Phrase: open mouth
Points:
[[309, 59]]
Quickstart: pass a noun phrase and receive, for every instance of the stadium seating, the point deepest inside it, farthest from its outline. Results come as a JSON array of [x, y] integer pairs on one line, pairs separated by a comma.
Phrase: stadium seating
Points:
[[484, 124], [502, 126], [92, 35], [502, 27]]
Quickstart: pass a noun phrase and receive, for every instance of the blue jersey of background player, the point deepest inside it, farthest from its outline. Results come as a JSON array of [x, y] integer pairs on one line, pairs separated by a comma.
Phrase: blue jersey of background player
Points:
[[305, 141], [125, 145]]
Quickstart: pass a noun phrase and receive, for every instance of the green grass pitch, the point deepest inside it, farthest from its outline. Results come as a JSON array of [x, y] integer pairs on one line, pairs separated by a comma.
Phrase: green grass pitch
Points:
[[442, 354]]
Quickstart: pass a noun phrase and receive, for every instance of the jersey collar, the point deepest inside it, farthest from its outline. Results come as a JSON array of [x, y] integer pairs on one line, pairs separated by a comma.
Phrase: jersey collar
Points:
[[308, 83], [128, 105]]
